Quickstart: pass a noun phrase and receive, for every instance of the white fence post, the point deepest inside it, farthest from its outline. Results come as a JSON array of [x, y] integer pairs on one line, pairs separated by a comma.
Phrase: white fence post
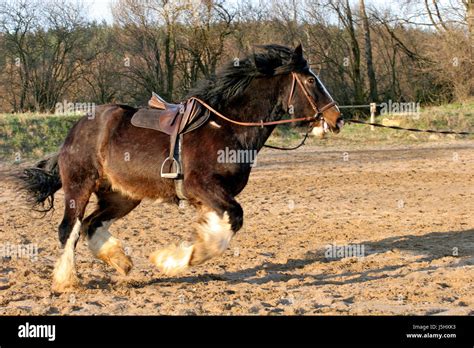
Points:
[[373, 108]]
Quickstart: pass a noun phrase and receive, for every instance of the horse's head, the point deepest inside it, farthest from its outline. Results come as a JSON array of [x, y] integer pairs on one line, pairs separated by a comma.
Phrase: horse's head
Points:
[[308, 96]]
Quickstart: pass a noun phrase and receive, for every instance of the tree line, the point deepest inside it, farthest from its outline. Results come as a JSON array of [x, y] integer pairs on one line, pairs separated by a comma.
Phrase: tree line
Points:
[[405, 50]]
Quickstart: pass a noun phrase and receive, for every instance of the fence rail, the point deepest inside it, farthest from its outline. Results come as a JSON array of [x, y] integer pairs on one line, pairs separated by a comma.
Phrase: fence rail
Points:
[[356, 106], [372, 106]]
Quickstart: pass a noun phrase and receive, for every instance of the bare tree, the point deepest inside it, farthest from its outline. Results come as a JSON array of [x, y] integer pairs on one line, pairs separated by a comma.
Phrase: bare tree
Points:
[[344, 13], [45, 41], [101, 81], [208, 26], [470, 19], [368, 52], [147, 36]]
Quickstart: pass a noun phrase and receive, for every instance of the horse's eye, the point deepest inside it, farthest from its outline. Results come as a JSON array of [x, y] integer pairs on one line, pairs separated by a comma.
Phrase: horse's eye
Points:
[[311, 80]]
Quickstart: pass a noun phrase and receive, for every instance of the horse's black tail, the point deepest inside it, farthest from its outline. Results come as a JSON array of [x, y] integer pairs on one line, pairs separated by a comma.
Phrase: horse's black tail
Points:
[[41, 183]]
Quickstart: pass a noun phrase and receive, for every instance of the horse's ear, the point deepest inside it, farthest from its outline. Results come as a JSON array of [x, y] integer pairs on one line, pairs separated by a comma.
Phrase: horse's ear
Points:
[[298, 52]]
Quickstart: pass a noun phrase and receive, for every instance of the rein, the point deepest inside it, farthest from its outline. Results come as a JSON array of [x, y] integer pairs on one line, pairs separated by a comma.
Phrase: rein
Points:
[[294, 147], [408, 129]]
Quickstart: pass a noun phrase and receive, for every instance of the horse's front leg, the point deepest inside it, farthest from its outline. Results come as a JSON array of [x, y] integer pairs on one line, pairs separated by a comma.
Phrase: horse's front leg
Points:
[[221, 216]]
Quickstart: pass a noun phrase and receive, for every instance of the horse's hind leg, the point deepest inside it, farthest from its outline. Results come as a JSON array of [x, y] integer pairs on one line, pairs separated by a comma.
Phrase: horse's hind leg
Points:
[[221, 217], [76, 199], [111, 206]]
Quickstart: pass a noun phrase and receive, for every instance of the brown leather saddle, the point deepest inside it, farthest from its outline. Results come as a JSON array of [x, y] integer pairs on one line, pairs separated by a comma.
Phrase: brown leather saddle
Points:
[[173, 120], [170, 118]]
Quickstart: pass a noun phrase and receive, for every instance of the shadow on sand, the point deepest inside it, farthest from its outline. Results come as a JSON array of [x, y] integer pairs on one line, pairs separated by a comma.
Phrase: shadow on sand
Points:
[[431, 246]]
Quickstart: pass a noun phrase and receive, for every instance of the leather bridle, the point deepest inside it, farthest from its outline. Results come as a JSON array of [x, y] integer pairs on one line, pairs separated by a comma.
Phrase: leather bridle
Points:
[[318, 116], [318, 112]]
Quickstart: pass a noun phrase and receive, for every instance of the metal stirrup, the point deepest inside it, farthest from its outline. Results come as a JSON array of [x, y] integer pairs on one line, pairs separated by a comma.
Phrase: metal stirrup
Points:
[[171, 175]]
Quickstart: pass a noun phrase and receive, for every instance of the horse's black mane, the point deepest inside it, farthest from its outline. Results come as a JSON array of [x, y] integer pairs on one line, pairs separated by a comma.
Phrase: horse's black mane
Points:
[[232, 80]]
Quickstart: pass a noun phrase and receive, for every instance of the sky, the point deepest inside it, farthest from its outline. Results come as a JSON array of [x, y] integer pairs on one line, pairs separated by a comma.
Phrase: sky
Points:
[[101, 9]]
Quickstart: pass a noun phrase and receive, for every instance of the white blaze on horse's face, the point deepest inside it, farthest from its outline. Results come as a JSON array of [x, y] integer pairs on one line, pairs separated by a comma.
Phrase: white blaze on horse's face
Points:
[[331, 120]]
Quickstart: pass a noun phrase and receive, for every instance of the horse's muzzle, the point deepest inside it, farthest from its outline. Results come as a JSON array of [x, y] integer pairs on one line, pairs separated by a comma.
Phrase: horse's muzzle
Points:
[[333, 128], [339, 124]]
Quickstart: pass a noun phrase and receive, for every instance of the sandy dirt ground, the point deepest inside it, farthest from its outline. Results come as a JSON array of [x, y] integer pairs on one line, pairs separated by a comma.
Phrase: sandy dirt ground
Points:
[[407, 209]]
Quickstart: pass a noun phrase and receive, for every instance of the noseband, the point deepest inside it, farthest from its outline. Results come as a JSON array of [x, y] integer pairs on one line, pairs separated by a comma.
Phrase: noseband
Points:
[[318, 116]]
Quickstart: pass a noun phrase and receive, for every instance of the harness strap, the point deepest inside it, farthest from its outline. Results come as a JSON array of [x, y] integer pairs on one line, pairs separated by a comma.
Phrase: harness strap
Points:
[[179, 182], [252, 124]]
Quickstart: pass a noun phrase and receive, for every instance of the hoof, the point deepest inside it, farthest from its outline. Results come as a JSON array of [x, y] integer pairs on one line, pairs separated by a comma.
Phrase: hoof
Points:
[[116, 257], [121, 262], [110, 250], [62, 287], [173, 259], [64, 276]]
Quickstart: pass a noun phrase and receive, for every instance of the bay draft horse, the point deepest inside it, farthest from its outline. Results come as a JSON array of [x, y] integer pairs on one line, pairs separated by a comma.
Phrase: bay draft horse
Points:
[[119, 163]]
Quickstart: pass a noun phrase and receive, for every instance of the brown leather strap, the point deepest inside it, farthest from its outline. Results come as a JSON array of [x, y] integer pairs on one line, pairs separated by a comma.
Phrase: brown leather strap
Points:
[[327, 106], [173, 139], [292, 90], [306, 94], [252, 124]]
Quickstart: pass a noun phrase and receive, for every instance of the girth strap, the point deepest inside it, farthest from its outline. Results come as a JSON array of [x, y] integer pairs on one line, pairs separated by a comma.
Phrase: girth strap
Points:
[[179, 182]]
